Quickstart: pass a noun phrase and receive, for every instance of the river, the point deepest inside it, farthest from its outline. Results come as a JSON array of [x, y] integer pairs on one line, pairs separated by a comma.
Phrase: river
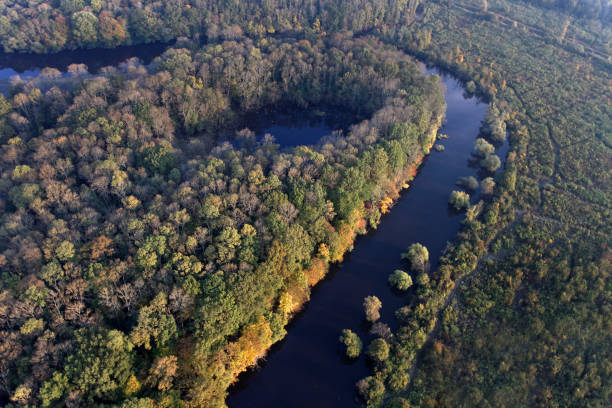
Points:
[[28, 66], [307, 368]]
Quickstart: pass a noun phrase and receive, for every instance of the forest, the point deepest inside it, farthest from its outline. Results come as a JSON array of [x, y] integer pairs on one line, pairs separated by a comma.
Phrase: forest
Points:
[[42, 27], [152, 247], [138, 243]]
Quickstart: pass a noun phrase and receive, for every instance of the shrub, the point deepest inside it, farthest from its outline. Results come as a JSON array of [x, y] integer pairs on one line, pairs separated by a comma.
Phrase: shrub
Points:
[[469, 183], [378, 350], [400, 280], [491, 162], [371, 307], [352, 342], [460, 200], [418, 256]]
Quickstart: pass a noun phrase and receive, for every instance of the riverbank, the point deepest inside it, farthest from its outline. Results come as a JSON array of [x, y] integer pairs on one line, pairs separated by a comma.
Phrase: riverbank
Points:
[[308, 367]]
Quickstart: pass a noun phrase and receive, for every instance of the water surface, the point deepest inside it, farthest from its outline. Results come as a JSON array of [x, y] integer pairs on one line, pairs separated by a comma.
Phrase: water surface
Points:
[[293, 126], [28, 66]]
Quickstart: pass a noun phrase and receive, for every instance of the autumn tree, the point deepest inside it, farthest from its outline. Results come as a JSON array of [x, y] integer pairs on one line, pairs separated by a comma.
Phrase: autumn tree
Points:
[[371, 307]]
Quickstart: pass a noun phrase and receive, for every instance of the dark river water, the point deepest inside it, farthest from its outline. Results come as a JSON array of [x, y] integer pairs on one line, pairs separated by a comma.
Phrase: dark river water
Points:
[[28, 66], [307, 368]]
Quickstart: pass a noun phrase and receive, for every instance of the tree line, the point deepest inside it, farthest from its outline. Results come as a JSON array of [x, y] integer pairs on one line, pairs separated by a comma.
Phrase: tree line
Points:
[[55, 25]]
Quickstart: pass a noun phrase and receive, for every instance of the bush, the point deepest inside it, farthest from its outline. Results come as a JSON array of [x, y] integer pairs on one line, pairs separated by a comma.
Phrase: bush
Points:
[[482, 148], [469, 183], [371, 390], [487, 185], [400, 280], [371, 307], [378, 350], [418, 256], [491, 162], [352, 342], [460, 200]]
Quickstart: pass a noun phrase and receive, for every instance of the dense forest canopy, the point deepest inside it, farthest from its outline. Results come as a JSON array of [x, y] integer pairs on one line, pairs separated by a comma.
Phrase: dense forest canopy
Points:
[[131, 237], [50, 26], [146, 259], [38, 26]]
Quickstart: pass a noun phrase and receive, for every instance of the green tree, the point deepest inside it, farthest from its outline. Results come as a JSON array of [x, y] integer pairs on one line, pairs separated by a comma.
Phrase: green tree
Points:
[[418, 256], [352, 342], [371, 390], [155, 325], [378, 350], [491, 162], [469, 183], [84, 28], [487, 185], [400, 280], [494, 125], [482, 148], [24, 194], [70, 6], [460, 200], [99, 367], [159, 158]]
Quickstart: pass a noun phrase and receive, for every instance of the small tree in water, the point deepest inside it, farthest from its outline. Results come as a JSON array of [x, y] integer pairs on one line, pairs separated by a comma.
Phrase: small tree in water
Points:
[[482, 148], [418, 256], [491, 162], [460, 200], [352, 342], [371, 307], [400, 280], [469, 183]]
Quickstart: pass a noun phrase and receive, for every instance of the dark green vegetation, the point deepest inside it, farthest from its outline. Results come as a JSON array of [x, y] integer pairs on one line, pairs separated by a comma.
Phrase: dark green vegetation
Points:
[[518, 312], [459, 200], [469, 183], [352, 342], [145, 263], [400, 280]]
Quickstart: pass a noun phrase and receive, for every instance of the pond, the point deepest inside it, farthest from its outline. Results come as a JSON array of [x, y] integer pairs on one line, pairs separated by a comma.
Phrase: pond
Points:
[[293, 126], [307, 368]]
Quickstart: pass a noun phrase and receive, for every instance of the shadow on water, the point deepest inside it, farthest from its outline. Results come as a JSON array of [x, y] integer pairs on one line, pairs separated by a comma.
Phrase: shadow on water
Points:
[[308, 368]]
